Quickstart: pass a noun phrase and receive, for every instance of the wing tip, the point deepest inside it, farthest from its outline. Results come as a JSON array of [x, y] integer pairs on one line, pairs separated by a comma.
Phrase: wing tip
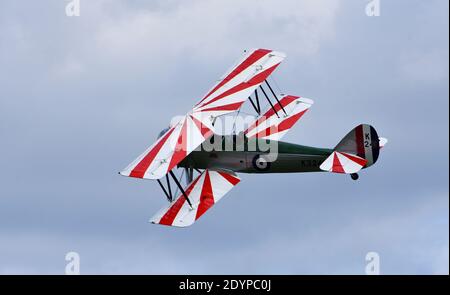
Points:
[[170, 225], [306, 100], [270, 51], [150, 176]]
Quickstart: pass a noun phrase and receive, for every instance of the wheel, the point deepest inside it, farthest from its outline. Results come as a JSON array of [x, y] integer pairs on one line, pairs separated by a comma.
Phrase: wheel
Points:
[[260, 163], [354, 176]]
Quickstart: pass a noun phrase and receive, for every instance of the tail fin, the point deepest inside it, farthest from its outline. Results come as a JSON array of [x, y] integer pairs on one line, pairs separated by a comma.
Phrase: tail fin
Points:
[[358, 149], [362, 141]]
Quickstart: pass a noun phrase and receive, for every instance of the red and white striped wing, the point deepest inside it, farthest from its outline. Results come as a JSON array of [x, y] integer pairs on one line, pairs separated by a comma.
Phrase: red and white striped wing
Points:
[[239, 83], [339, 162], [203, 192], [171, 148], [270, 126]]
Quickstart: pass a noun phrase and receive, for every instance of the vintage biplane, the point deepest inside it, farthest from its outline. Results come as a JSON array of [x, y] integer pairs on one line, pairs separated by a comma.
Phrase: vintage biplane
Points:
[[211, 172]]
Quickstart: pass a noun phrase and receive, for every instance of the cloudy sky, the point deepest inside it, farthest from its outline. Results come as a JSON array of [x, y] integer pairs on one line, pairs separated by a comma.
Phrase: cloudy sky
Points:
[[81, 97]]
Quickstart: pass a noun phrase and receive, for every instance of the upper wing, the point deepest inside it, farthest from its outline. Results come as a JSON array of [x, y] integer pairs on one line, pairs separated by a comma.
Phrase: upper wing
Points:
[[203, 192], [270, 126], [239, 83], [197, 126], [170, 149]]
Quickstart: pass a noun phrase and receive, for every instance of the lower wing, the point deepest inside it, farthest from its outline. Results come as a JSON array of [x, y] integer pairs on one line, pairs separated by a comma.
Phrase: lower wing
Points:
[[203, 192]]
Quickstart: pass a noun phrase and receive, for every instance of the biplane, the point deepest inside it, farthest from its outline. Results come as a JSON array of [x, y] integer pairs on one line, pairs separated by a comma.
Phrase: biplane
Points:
[[193, 146]]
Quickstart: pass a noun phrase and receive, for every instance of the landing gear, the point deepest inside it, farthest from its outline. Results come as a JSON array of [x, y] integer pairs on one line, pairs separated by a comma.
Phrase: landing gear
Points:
[[354, 176]]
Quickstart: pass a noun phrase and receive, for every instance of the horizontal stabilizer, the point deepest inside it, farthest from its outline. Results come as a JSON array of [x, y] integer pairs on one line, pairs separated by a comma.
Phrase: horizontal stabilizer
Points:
[[340, 162], [203, 192]]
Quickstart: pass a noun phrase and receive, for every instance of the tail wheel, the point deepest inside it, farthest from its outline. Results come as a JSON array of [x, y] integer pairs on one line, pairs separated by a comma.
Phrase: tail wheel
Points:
[[354, 176], [260, 163]]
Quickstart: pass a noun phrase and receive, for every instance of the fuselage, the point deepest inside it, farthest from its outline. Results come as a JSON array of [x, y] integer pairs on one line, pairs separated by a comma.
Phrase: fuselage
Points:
[[256, 156]]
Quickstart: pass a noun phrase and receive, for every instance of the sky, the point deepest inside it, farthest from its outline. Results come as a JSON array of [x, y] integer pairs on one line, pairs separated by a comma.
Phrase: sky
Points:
[[83, 96]]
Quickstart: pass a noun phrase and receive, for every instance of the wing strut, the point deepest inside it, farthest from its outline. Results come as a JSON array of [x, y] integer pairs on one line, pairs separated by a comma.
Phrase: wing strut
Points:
[[268, 99], [168, 194], [189, 174], [274, 95], [181, 188], [169, 188], [257, 107]]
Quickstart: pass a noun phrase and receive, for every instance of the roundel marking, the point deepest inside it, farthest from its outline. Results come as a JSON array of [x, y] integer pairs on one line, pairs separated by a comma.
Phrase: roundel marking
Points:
[[260, 163]]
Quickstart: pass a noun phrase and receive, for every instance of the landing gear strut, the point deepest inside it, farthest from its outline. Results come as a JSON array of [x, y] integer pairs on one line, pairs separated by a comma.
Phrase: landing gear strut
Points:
[[354, 176]]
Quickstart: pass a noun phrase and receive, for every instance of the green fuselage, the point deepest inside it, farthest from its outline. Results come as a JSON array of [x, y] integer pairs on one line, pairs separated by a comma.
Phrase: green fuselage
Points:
[[253, 156]]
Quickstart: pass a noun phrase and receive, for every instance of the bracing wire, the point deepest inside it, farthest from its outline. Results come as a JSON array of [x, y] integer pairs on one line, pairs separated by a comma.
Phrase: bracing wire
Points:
[[276, 84], [179, 180], [234, 123]]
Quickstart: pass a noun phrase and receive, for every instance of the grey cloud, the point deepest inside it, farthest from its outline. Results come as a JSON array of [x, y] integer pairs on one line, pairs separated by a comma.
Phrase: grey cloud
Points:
[[81, 97]]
